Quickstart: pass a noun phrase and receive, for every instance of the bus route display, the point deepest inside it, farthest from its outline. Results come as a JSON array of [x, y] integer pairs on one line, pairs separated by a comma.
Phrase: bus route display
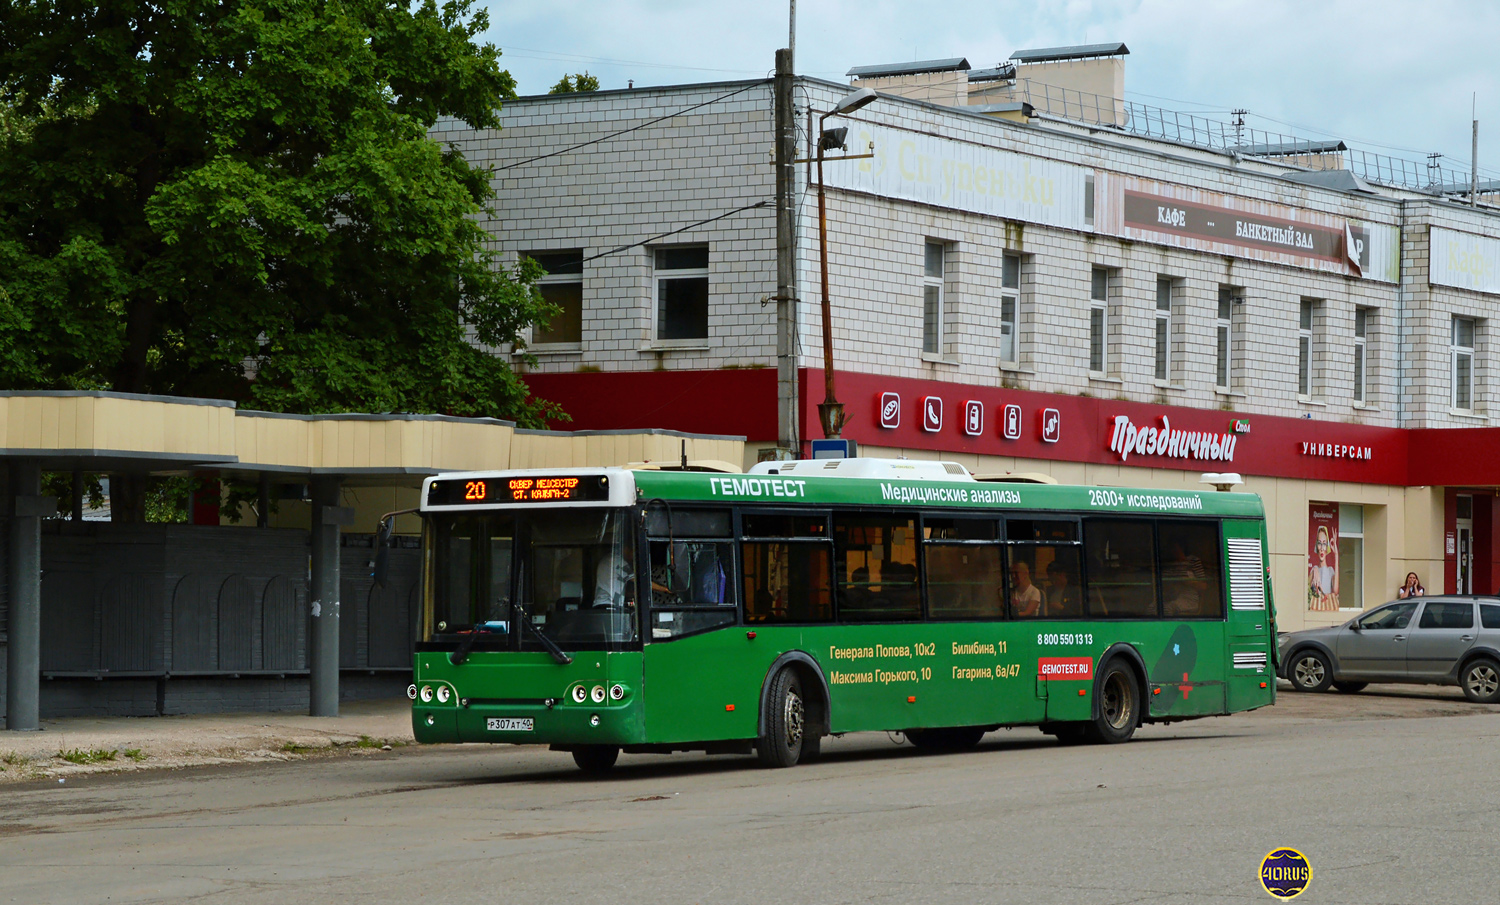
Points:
[[513, 489]]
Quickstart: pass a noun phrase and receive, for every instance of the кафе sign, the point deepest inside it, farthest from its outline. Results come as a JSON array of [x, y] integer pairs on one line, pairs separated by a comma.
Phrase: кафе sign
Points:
[[1202, 220]]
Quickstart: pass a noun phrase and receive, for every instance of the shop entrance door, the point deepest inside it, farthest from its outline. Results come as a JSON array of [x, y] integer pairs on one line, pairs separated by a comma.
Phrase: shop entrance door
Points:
[[1465, 530]]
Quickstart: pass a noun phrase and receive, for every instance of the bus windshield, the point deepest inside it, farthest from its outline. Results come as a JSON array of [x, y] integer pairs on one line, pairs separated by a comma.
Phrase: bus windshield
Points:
[[569, 573]]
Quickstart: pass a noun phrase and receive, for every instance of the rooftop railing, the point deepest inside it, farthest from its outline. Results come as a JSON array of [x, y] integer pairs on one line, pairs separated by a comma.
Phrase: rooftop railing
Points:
[[1237, 137]]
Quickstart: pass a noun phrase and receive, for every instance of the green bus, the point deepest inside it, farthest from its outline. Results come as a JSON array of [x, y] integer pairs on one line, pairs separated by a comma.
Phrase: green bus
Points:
[[601, 610]]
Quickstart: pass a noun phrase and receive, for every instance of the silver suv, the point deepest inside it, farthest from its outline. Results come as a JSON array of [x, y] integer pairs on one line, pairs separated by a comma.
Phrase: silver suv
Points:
[[1430, 641]]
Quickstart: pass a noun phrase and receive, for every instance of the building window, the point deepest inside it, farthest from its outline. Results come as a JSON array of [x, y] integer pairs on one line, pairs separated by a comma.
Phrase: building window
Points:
[[1163, 328], [932, 299], [1361, 326], [563, 287], [1351, 587], [1463, 363], [1010, 295], [1305, 348], [1099, 321], [1224, 337], [682, 293]]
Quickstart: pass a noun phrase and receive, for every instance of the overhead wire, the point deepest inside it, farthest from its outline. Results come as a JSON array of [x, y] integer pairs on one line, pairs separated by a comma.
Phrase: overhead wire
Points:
[[639, 126], [674, 232]]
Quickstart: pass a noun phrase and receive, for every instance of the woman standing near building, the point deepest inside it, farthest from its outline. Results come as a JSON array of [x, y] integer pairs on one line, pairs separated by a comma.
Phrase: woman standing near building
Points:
[[1412, 587]]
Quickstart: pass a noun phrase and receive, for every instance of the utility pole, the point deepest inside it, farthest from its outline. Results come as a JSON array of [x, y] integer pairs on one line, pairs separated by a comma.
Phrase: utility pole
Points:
[[787, 433]]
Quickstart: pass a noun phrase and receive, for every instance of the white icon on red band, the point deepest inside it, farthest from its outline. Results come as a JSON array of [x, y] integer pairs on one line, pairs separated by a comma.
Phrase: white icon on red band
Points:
[[932, 414], [890, 409], [974, 417]]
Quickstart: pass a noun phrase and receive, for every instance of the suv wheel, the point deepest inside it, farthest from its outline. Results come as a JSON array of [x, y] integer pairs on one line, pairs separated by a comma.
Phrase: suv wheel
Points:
[[1310, 671], [1481, 681]]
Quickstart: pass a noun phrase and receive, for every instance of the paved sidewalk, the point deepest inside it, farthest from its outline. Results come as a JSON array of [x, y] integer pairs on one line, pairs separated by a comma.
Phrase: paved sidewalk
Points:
[[75, 746]]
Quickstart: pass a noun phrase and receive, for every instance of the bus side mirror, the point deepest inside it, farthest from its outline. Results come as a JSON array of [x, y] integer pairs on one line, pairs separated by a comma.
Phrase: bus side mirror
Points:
[[382, 550]]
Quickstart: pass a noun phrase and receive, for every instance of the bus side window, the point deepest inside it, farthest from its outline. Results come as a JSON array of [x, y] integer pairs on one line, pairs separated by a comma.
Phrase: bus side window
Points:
[[1192, 578], [877, 568], [787, 581], [965, 568], [1121, 558]]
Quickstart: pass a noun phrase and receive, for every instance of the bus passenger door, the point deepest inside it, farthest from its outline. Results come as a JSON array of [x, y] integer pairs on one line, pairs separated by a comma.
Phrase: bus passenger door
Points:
[[1249, 632]]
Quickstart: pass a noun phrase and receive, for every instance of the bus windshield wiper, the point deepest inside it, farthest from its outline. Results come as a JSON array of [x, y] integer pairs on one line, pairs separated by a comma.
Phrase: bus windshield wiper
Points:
[[558, 654], [461, 653]]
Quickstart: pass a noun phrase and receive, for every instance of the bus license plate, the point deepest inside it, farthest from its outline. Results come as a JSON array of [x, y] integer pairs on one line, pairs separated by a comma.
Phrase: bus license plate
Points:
[[508, 724]]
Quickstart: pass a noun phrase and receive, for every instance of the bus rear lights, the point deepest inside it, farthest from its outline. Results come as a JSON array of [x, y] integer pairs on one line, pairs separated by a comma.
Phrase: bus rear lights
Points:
[[594, 720], [411, 692], [580, 694], [426, 694], [443, 694], [617, 692], [597, 694], [431, 719]]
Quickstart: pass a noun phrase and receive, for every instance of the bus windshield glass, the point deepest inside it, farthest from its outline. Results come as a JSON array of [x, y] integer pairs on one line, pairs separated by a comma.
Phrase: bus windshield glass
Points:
[[569, 573]]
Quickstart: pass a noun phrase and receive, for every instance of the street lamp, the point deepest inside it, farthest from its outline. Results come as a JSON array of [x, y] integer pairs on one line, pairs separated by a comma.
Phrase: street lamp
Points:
[[830, 410]]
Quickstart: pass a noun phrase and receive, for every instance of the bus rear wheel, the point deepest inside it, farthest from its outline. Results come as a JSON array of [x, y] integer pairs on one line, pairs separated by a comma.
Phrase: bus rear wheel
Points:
[[596, 760], [960, 738], [785, 720], [1118, 705]]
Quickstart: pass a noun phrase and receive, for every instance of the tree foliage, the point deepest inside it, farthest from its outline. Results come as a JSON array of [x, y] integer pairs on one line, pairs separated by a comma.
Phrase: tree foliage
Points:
[[240, 199], [572, 84]]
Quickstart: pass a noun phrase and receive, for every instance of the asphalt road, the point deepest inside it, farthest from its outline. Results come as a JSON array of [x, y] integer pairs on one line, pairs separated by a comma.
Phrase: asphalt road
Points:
[[1392, 797]]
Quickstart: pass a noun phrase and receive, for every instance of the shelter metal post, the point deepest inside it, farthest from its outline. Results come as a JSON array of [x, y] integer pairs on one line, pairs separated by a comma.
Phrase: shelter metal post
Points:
[[323, 634], [24, 572]]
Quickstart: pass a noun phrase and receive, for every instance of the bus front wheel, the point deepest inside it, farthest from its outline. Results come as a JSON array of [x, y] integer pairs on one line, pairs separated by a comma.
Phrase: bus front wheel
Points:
[[1118, 705], [786, 722], [596, 760]]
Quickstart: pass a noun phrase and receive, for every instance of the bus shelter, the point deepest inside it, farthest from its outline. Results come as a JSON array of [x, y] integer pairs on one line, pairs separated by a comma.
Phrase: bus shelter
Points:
[[130, 618]]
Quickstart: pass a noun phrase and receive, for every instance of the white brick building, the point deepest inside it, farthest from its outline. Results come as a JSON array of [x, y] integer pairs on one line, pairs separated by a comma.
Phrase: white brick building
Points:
[[968, 258]]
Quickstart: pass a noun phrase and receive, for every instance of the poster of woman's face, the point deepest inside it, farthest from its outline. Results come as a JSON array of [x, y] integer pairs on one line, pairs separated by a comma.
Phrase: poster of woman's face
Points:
[[1323, 556]]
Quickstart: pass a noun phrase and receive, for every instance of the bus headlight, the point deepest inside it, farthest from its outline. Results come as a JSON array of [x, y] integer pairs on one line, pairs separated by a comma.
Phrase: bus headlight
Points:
[[580, 694], [426, 694], [411, 692], [617, 692], [597, 694], [594, 720], [443, 694]]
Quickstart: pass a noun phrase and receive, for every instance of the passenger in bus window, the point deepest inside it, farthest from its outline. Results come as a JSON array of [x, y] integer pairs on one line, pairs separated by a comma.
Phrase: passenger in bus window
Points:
[[1063, 594], [1183, 581], [1025, 597]]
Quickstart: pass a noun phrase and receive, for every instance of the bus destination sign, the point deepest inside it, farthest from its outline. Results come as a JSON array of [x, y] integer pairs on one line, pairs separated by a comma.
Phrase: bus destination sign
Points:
[[530, 489]]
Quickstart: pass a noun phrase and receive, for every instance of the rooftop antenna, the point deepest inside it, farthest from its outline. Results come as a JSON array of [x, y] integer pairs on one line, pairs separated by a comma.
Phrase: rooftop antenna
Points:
[[684, 455], [1239, 126], [1434, 169], [1474, 153]]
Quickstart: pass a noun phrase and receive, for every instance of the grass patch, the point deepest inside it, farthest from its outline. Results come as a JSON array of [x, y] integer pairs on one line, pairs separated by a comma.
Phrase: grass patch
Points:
[[294, 748], [90, 756], [12, 759], [134, 754], [366, 742]]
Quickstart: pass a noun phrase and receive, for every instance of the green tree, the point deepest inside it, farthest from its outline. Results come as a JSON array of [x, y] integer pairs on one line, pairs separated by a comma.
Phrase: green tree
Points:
[[571, 84], [240, 199]]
